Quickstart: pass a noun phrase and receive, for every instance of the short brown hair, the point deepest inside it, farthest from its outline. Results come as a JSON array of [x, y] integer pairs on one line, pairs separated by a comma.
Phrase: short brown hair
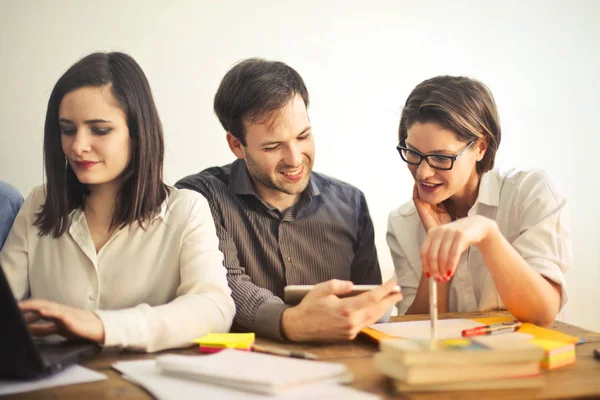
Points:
[[253, 88], [462, 105], [143, 190]]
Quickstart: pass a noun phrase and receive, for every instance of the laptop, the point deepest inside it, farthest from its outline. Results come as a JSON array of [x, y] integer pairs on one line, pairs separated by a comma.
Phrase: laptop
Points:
[[21, 356]]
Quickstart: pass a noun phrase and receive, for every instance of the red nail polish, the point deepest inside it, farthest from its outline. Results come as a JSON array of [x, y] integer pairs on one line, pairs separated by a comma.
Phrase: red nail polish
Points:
[[449, 273], [428, 274], [439, 280]]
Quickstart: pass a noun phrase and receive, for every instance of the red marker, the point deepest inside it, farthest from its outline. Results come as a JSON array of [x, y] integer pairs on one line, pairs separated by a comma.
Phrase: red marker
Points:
[[494, 329]]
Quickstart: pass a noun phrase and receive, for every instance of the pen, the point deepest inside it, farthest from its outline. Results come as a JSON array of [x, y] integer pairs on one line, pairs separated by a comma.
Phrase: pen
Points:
[[493, 329], [433, 311], [283, 352]]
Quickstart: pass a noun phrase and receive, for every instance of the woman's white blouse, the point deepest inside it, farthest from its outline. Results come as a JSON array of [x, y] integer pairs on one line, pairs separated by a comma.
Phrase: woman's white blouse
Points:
[[531, 213], [153, 289]]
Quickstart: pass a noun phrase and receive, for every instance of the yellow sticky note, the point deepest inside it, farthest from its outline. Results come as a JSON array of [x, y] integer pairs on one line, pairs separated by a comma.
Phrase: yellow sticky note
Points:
[[227, 340]]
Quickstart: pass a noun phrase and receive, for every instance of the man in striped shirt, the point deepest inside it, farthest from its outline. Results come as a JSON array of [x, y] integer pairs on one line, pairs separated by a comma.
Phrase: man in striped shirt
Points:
[[279, 223]]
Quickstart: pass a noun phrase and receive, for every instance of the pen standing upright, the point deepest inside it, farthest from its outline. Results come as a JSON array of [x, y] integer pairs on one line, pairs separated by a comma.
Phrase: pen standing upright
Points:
[[433, 311]]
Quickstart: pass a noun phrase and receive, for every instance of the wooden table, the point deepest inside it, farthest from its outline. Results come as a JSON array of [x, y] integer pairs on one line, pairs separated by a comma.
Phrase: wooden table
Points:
[[581, 379]]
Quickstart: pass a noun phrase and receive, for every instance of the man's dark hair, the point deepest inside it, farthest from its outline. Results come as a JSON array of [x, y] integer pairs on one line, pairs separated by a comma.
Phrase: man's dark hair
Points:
[[254, 88]]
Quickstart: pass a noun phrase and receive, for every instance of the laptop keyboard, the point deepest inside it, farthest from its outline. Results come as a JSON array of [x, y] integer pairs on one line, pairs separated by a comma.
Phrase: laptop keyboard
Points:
[[63, 353]]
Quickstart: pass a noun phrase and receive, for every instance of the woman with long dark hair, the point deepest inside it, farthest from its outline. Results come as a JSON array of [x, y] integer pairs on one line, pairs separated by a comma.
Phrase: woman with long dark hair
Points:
[[105, 250]]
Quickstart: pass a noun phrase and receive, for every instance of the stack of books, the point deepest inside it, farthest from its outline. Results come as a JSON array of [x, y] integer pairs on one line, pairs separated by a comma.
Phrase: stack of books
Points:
[[559, 347], [459, 364]]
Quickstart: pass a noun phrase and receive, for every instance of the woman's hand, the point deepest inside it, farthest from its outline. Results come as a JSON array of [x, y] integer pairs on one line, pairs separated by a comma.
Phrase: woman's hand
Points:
[[431, 215], [63, 320], [444, 244]]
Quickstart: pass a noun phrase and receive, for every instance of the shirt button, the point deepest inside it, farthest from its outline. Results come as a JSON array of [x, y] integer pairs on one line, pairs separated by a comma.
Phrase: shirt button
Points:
[[91, 297], [289, 258]]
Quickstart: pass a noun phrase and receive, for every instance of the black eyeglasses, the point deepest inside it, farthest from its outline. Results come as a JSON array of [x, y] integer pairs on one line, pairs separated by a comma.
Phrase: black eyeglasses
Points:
[[437, 161]]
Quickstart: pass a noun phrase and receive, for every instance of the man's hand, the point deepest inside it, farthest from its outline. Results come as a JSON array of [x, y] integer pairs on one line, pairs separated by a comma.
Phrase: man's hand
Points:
[[323, 316], [64, 320]]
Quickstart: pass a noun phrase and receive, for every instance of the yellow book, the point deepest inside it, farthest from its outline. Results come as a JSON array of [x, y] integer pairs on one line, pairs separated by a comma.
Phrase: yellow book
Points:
[[536, 331], [557, 353], [558, 362]]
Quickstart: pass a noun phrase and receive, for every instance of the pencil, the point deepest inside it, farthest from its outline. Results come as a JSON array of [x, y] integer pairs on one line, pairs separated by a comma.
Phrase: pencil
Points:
[[283, 352], [433, 311]]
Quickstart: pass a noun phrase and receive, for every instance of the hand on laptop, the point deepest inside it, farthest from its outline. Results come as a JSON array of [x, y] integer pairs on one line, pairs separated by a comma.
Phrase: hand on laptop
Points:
[[64, 320], [321, 315]]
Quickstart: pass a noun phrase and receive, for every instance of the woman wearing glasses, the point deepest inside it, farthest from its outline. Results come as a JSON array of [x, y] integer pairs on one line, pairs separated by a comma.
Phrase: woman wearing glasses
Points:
[[491, 239]]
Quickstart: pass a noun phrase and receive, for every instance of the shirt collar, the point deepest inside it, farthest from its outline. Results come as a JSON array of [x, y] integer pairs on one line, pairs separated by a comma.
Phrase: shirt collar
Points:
[[241, 183], [77, 214], [489, 189]]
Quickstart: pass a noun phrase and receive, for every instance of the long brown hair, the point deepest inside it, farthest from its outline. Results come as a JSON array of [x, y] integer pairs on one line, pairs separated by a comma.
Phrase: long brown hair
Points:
[[462, 105], [142, 191]]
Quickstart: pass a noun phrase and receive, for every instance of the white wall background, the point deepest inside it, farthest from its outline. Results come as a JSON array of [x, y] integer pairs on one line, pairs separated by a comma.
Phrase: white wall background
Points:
[[360, 60]]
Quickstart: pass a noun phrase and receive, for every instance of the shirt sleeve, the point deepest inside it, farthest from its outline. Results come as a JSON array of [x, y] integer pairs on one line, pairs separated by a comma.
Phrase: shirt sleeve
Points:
[[14, 257], [405, 276], [257, 309], [365, 266], [10, 204], [203, 304], [544, 238]]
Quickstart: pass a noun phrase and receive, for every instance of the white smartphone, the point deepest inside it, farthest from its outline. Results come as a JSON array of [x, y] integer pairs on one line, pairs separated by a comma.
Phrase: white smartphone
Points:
[[293, 294]]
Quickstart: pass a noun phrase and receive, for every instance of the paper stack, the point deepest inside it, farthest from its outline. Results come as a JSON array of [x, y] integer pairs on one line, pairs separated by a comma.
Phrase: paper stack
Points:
[[459, 364], [557, 353], [231, 374]]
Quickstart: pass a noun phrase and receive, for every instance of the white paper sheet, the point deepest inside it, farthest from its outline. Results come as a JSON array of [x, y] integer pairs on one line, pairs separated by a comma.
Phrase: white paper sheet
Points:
[[163, 387], [502, 340], [70, 376], [268, 374], [446, 328]]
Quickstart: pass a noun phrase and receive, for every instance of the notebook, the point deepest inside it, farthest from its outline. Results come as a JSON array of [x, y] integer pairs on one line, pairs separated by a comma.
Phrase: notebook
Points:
[[255, 372]]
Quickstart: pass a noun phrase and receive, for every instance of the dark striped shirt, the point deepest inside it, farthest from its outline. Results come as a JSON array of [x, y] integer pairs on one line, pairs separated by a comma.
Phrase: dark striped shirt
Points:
[[327, 234]]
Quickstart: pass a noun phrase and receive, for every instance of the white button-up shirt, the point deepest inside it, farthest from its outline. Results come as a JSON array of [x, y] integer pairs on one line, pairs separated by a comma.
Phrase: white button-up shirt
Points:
[[153, 289], [530, 212]]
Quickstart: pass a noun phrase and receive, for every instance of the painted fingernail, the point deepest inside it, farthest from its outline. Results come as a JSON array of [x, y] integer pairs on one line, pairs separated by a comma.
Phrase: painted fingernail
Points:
[[449, 273], [428, 274], [439, 280]]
